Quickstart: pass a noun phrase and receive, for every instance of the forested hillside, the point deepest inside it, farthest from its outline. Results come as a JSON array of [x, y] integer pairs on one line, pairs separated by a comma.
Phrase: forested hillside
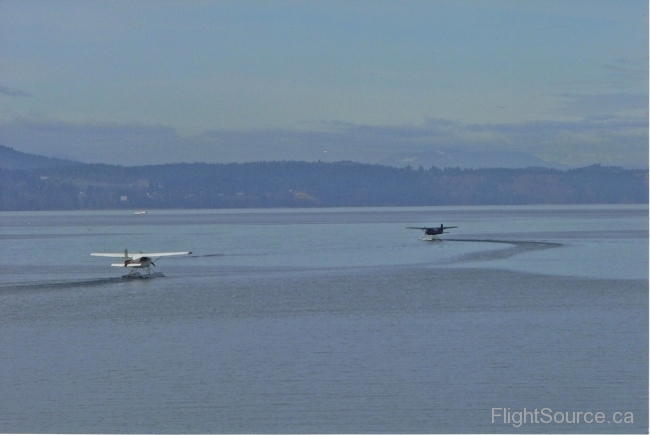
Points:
[[12, 159], [302, 184]]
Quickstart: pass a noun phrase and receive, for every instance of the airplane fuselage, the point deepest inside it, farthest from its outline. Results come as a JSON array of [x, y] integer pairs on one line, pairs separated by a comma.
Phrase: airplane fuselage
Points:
[[143, 262]]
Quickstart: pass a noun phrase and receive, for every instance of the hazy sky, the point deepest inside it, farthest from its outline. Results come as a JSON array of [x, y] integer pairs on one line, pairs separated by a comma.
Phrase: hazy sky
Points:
[[147, 82]]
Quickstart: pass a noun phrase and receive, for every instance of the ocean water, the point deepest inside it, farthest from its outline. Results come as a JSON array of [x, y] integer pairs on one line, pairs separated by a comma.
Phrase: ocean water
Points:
[[327, 321]]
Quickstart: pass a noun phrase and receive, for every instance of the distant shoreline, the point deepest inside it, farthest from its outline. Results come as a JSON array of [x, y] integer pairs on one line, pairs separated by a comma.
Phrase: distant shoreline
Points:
[[308, 185]]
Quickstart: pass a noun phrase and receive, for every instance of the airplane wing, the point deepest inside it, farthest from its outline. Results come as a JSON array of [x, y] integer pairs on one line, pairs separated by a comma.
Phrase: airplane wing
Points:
[[107, 254], [136, 256], [157, 254], [428, 228]]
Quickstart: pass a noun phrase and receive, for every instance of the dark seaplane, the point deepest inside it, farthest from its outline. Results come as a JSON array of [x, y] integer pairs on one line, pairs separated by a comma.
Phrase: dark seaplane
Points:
[[431, 233]]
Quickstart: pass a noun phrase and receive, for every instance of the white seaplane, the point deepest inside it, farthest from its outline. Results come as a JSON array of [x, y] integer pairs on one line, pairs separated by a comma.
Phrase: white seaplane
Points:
[[138, 261]]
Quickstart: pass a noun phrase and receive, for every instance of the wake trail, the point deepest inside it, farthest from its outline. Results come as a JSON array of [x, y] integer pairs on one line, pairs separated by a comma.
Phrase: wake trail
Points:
[[517, 247], [47, 285]]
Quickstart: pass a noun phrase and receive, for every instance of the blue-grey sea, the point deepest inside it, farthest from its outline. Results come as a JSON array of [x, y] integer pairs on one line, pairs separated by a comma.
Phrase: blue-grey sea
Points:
[[523, 319]]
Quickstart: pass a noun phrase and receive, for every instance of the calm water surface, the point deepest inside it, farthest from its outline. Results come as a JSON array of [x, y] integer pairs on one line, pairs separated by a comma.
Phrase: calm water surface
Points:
[[326, 320]]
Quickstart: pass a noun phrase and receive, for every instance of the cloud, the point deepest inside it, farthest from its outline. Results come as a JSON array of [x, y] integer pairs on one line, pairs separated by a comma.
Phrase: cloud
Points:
[[126, 144], [10, 92], [625, 71], [599, 104], [605, 139]]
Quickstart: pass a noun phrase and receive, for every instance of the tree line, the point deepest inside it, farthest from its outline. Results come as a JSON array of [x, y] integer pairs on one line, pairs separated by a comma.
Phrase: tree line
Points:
[[309, 184]]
